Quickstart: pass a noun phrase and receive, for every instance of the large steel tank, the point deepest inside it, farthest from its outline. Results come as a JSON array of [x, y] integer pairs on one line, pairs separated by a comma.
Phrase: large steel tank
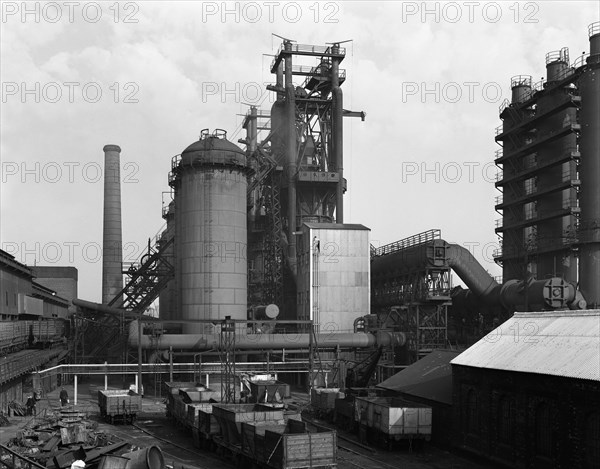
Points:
[[589, 173], [210, 185]]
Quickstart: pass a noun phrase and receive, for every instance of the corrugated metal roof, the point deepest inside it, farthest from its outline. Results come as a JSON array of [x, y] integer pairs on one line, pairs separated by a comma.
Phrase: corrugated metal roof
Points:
[[560, 343], [336, 226], [429, 378]]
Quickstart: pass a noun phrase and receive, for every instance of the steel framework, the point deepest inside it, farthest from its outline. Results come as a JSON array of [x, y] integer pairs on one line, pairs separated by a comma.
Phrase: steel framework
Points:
[[227, 357], [106, 334], [414, 296]]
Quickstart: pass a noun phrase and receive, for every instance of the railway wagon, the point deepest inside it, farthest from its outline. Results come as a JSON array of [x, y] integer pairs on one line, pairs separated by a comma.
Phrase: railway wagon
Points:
[[323, 400], [184, 405], [173, 388], [18, 335], [386, 420], [13, 335], [231, 416], [256, 435], [290, 445], [268, 391], [205, 425], [119, 405]]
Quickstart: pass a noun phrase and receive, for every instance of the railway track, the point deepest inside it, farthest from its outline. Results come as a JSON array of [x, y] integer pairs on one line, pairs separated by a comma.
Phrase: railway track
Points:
[[356, 459], [175, 444]]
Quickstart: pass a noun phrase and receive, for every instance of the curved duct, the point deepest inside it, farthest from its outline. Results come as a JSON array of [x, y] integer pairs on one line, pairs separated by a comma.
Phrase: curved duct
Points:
[[552, 293], [470, 271], [265, 341]]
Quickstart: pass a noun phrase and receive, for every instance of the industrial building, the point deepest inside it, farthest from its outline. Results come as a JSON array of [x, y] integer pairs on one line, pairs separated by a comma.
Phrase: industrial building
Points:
[[257, 272], [528, 394], [34, 325]]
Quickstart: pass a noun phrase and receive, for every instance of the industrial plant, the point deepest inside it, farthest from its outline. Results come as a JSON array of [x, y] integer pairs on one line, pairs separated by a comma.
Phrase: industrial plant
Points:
[[264, 291]]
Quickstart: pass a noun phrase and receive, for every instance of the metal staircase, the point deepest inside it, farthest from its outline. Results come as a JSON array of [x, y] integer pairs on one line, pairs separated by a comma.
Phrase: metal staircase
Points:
[[145, 282]]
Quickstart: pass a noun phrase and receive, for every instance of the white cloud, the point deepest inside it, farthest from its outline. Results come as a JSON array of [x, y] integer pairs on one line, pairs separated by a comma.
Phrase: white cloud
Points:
[[169, 59]]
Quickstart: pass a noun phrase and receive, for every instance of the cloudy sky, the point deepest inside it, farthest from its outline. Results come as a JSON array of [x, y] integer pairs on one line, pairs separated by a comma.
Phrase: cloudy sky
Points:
[[149, 76]]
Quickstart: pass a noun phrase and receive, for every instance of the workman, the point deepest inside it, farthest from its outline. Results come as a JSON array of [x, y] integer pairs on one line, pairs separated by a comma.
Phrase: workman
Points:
[[64, 397]]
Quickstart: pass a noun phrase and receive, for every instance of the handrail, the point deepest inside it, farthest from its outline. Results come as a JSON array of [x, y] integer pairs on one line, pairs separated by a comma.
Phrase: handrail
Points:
[[153, 368], [411, 241]]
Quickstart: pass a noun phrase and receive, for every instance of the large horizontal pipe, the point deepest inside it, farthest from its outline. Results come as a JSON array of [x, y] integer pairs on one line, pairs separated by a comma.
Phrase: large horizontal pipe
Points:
[[100, 308], [553, 293], [265, 341]]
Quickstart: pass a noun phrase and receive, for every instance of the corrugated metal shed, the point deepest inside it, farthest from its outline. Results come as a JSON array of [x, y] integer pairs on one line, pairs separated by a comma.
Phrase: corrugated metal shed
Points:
[[560, 343], [429, 378]]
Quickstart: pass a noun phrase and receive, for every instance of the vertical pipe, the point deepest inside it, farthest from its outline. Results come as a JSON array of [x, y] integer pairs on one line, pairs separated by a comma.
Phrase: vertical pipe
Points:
[[589, 234], [106, 376], [138, 378], [75, 390], [252, 129], [290, 116], [112, 242], [251, 139], [338, 132], [171, 364]]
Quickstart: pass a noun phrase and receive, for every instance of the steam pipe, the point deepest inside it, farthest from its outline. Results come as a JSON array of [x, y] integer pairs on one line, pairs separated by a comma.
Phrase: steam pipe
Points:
[[101, 308], [264, 341], [338, 133], [290, 117]]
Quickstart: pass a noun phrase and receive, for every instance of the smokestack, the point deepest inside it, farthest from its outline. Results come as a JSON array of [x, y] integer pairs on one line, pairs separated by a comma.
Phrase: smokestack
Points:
[[112, 241]]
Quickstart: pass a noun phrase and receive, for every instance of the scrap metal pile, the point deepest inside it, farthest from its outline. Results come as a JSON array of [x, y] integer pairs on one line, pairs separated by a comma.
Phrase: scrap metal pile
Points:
[[58, 439]]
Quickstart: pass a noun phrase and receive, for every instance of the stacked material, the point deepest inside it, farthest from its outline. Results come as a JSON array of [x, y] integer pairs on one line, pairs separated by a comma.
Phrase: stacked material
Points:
[[57, 442]]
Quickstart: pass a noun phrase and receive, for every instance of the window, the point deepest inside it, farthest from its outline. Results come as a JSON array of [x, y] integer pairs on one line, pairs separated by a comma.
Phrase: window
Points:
[[505, 420], [543, 430], [592, 440], [472, 415]]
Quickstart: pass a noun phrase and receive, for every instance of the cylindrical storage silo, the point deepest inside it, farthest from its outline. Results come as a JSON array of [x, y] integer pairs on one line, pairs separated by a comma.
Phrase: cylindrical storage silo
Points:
[[589, 174], [210, 199], [521, 88]]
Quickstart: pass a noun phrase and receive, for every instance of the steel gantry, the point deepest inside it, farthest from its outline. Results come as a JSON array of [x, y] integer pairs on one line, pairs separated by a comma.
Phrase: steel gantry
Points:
[[410, 289]]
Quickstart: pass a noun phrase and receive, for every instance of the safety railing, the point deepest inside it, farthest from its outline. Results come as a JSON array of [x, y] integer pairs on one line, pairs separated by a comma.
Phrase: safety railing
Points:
[[307, 49], [411, 241], [561, 55], [288, 366]]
